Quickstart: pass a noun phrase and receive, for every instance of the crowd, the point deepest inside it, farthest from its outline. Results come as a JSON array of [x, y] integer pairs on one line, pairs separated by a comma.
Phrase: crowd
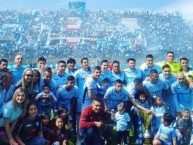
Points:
[[48, 106], [97, 34]]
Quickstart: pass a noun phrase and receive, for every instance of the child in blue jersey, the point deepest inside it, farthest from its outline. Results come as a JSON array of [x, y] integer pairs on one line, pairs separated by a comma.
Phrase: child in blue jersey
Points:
[[122, 124], [184, 128], [166, 134], [141, 99], [158, 110], [46, 100]]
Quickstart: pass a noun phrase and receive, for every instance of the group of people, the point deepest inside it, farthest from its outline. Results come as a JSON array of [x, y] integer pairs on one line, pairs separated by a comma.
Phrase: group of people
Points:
[[47, 106], [101, 32]]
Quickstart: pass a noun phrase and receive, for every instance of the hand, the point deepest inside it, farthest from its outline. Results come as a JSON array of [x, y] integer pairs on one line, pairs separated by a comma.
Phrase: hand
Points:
[[148, 111], [12, 142], [98, 123]]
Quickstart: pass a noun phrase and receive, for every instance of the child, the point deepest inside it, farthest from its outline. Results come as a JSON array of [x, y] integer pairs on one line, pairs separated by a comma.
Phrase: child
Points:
[[58, 136], [184, 127], [122, 122], [137, 115], [141, 99], [166, 134], [46, 126], [63, 112], [158, 111], [46, 100]]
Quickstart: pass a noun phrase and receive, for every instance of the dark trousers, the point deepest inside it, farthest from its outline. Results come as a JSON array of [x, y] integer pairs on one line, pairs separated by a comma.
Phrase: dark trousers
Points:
[[122, 135]]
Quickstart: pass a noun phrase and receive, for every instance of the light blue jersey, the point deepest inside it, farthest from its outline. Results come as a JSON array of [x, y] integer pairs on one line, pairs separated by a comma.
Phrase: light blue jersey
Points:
[[113, 98], [90, 84], [104, 75], [168, 82], [71, 72], [52, 84], [11, 113], [80, 76], [183, 96], [122, 121], [16, 73], [116, 76], [131, 75], [64, 96], [159, 112], [154, 89], [167, 134], [60, 80], [146, 70]]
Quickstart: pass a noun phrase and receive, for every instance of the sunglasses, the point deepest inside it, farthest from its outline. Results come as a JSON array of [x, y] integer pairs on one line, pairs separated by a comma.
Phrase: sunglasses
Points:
[[180, 78], [28, 75]]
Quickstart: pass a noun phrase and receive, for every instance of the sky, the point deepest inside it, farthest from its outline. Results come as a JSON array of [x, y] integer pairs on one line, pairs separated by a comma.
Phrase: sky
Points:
[[183, 6]]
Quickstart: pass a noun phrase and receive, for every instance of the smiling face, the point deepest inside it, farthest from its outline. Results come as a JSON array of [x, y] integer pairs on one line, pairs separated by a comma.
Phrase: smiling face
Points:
[[32, 111], [59, 123], [20, 97], [18, 60], [28, 76]]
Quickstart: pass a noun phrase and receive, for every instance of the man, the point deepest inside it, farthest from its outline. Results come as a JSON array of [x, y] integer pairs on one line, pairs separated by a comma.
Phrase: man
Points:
[[71, 62], [47, 80], [41, 65], [91, 120], [116, 73], [17, 69], [175, 66], [154, 86], [80, 76], [115, 95], [148, 66], [60, 77], [182, 94], [167, 78], [132, 72], [104, 80], [188, 72], [91, 87], [3, 65], [67, 94]]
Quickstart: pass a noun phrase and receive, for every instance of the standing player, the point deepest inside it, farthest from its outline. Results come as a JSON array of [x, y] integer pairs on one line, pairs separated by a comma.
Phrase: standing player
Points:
[[167, 78], [71, 62], [117, 73], [17, 70], [60, 77], [91, 87], [132, 72], [148, 66], [175, 66], [188, 72]]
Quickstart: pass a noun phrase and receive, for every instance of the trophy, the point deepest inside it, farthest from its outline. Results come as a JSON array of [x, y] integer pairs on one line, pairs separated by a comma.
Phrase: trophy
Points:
[[146, 123]]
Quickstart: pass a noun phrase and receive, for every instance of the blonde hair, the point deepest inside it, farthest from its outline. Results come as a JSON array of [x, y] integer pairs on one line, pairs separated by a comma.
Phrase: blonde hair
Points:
[[17, 91]]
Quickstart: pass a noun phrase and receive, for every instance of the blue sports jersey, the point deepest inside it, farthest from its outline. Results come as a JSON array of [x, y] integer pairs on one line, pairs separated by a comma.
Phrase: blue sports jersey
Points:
[[183, 96], [116, 76], [90, 84], [154, 89], [122, 121], [52, 84], [104, 75], [113, 97], [146, 70], [167, 134], [64, 96], [60, 80], [16, 73], [168, 82], [131, 75], [80, 82], [11, 113]]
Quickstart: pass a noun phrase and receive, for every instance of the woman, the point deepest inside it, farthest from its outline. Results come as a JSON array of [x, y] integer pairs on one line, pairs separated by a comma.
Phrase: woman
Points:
[[36, 81], [27, 83], [11, 112], [29, 128]]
